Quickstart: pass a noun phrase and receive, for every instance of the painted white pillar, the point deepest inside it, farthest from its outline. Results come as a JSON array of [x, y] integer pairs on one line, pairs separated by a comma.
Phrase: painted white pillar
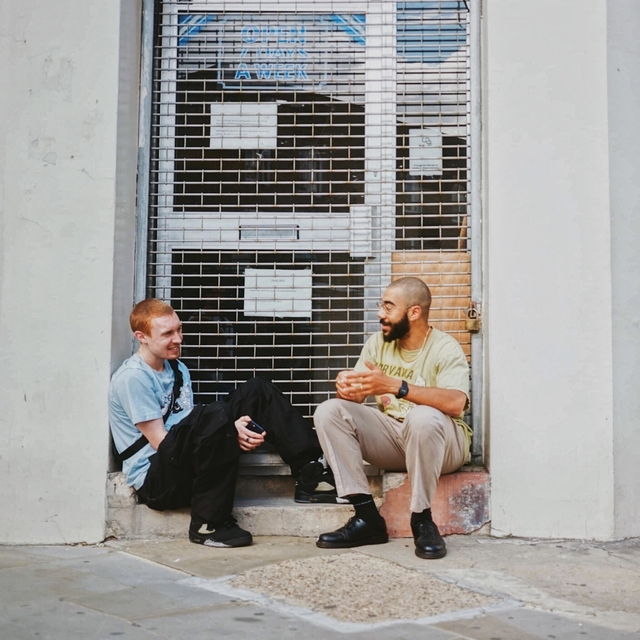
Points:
[[623, 53], [67, 179], [562, 329]]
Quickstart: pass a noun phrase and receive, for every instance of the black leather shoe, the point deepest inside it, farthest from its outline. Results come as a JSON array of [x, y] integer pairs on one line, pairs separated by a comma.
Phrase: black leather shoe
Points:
[[429, 542], [355, 533]]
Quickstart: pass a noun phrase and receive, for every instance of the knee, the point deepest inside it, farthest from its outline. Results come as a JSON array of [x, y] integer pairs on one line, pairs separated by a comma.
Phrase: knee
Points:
[[258, 385], [326, 413], [425, 424], [257, 390]]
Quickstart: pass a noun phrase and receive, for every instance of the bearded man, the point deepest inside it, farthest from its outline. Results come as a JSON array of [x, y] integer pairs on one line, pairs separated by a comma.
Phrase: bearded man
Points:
[[420, 379]]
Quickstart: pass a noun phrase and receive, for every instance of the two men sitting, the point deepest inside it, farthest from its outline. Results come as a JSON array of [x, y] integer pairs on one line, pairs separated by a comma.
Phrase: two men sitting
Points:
[[418, 375]]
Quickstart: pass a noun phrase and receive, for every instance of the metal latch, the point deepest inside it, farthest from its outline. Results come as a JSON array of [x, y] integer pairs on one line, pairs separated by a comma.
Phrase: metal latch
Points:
[[473, 322]]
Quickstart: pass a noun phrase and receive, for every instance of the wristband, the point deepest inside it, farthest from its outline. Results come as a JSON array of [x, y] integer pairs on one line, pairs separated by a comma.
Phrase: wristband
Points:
[[403, 390]]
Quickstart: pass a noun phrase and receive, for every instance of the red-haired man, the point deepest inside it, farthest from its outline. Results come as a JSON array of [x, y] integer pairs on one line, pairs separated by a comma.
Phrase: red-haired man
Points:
[[177, 454]]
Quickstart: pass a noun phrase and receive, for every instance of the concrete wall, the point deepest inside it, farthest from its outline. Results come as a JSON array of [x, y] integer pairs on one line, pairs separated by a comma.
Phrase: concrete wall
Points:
[[62, 74], [561, 135], [624, 174], [549, 276]]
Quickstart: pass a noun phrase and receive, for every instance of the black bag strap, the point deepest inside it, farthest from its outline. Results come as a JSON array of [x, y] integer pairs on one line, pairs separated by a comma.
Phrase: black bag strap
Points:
[[175, 394], [133, 449], [177, 385]]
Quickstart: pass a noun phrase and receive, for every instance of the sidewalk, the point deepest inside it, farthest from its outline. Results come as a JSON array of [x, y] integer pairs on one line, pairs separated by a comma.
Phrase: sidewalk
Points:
[[286, 588]]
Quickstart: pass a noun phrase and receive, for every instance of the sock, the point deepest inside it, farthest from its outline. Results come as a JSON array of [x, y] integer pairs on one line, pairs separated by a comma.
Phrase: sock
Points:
[[365, 507], [423, 516]]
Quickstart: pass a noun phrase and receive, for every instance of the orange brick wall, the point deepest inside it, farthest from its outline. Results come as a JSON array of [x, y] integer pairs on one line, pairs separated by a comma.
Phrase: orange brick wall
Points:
[[448, 275]]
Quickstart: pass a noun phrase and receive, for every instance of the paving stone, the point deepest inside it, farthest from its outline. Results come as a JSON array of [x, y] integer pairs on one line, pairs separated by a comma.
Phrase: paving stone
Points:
[[554, 626], [56, 620], [64, 593], [488, 628]]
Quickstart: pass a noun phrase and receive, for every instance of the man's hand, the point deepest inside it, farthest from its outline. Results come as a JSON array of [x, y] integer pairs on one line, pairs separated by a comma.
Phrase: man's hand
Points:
[[247, 439], [376, 382], [349, 387], [356, 386]]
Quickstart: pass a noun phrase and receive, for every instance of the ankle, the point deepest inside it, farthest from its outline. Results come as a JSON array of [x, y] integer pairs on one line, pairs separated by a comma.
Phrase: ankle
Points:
[[422, 516], [365, 507]]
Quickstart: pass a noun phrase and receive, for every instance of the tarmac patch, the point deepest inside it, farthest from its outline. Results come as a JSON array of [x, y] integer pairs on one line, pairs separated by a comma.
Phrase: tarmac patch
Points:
[[354, 591]]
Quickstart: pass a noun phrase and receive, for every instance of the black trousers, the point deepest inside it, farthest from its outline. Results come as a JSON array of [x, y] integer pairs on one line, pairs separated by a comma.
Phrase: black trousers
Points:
[[197, 462]]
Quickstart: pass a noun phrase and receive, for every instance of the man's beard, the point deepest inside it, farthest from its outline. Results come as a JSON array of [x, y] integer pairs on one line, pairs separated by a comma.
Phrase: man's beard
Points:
[[397, 329]]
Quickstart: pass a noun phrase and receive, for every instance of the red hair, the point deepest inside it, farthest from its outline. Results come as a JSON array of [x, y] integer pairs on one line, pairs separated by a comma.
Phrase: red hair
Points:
[[144, 312]]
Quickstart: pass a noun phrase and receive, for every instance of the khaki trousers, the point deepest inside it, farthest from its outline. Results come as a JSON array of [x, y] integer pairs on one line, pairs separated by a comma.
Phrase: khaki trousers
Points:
[[426, 445]]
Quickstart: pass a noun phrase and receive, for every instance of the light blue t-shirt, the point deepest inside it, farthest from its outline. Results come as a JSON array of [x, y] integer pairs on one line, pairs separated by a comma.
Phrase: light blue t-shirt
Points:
[[138, 393]]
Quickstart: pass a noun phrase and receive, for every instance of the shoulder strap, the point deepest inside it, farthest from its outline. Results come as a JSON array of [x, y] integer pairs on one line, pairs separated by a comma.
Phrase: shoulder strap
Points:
[[177, 385], [175, 394], [133, 449]]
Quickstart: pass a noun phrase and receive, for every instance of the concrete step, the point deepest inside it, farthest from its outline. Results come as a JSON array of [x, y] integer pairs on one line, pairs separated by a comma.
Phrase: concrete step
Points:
[[261, 516], [265, 506], [265, 514], [462, 503], [253, 487]]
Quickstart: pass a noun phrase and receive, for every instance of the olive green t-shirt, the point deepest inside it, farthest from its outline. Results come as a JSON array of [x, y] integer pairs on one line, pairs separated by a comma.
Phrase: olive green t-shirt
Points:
[[439, 363]]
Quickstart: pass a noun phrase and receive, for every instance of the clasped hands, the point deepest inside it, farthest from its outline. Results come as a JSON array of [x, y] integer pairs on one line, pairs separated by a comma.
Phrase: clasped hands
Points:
[[357, 385]]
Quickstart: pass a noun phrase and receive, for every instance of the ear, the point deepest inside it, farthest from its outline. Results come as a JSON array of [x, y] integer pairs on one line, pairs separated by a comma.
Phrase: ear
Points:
[[414, 312], [140, 337]]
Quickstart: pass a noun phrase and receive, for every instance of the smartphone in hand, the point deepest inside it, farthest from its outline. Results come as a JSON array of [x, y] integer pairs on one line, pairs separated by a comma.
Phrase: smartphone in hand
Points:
[[254, 426]]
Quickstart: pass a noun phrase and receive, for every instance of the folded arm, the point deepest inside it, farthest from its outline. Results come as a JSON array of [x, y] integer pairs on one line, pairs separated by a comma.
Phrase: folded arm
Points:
[[357, 385], [450, 401]]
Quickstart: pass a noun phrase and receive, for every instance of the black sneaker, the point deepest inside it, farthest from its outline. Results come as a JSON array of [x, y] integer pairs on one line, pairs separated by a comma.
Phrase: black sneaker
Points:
[[315, 484], [228, 534], [428, 541]]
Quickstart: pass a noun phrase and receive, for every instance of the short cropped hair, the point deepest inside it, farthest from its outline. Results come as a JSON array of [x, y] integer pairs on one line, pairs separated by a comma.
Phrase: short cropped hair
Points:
[[144, 312], [414, 292]]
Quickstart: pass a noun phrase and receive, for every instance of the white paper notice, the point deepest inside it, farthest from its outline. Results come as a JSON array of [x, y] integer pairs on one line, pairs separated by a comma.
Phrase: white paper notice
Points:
[[277, 293], [425, 152], [244, 125]]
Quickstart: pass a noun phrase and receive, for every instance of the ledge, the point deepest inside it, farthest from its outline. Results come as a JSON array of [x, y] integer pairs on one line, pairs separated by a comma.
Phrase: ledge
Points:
[[461, 504]]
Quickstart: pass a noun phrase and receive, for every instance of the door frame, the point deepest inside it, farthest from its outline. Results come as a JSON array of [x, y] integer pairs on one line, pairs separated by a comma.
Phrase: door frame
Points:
[[380, 201]]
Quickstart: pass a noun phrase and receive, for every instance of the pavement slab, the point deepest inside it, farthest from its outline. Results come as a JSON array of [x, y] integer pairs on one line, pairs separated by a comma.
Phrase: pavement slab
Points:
[[524, 624], [565, 590], [592, 582]]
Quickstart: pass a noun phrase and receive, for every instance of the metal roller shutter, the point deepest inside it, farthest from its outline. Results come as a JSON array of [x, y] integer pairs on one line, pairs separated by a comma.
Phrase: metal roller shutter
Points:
[[303, 154]]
